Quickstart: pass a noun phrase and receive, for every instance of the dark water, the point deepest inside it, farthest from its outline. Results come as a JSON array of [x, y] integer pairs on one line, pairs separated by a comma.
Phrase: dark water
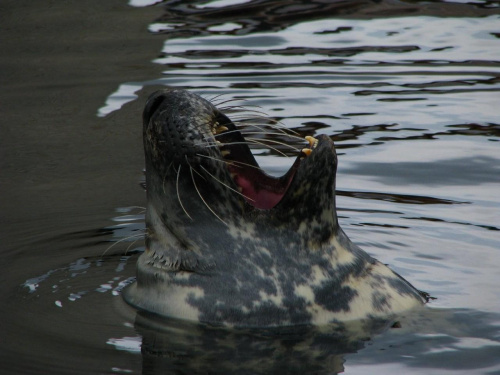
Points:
[[410, 93]]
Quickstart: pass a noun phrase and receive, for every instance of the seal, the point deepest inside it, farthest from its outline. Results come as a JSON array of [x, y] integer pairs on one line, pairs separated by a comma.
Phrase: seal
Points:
[[228, 244]]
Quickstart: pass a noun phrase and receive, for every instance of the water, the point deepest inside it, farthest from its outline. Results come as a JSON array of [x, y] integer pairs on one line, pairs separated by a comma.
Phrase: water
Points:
[[407, 90]]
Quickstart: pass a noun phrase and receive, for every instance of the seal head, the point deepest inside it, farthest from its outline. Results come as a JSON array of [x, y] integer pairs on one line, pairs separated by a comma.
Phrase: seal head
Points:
[[227, 243]]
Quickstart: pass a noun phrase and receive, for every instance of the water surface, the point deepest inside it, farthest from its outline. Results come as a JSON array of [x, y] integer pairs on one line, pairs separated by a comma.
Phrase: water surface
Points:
[[407, 90]]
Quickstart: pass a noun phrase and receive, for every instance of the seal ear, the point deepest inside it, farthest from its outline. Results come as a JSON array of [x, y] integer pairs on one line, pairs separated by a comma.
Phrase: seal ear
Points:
[[154, 101]]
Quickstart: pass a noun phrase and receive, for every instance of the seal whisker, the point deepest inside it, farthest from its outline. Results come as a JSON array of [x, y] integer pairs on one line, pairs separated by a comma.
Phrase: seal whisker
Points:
[[262, 115], [240, 108], [231, 162], [230, 100], [249, 114], [123, 239], [214, 144], [254, 115], [246, 122], [267, 133], [261, 141], [242, 116], [275, 124], [263, 128], [211, 144], [224, 184], [178, 195], [211, 100], [255, 141], [165, 178], [199, 194]]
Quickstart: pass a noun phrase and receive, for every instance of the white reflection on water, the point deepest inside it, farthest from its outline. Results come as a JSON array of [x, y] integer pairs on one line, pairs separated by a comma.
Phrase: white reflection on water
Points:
[[129, 344], [397, 51]]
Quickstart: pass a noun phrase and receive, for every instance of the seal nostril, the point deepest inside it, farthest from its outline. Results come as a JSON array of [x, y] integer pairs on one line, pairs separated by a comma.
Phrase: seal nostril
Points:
[[152, 105]]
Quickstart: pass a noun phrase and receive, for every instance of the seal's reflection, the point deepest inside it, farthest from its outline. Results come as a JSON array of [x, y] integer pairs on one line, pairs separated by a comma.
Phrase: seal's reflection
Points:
[[177, 347]]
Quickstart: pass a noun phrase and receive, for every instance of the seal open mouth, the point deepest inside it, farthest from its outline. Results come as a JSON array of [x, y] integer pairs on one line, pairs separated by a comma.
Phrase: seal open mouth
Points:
[[257, 187]]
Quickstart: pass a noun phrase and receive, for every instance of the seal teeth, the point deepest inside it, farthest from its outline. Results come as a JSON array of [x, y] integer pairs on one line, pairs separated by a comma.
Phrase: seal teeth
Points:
[[307, 151], [313, 142], [219, 129], [213, 127]]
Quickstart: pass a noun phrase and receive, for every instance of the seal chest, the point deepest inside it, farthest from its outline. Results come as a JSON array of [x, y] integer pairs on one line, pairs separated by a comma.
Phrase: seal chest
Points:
[[228, 244]]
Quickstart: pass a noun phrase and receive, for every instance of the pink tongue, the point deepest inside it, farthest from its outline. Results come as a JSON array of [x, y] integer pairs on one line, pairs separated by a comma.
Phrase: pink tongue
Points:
[[263, 199]]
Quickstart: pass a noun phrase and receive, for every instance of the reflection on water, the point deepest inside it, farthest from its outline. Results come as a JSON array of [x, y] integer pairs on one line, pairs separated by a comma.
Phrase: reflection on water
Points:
[[179, 347], [182, 347], [407, 90]]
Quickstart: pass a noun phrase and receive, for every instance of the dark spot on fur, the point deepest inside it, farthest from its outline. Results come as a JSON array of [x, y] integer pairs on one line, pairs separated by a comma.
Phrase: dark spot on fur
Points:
[[334, 297]]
